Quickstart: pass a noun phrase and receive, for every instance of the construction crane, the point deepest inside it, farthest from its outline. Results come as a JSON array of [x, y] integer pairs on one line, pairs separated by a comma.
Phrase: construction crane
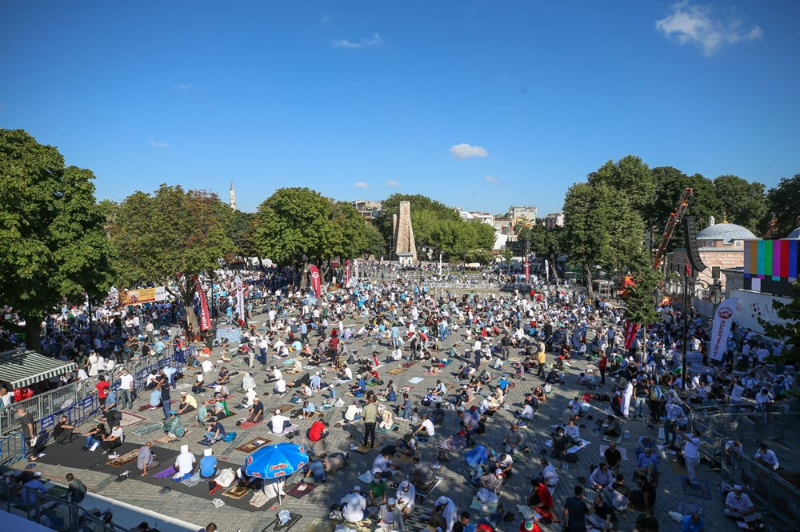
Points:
[[674, 220]]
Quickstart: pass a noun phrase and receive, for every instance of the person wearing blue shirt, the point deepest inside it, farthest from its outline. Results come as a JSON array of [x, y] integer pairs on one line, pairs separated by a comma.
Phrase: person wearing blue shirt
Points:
[[503, 383], [693, 523], [208, 464], [308, 409], [316, 469], [475, 459]]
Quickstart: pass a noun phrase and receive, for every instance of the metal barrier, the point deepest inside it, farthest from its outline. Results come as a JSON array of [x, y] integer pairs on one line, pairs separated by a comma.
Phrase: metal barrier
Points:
[[53, 511], [12, 448], [763, 485], [77, 400]]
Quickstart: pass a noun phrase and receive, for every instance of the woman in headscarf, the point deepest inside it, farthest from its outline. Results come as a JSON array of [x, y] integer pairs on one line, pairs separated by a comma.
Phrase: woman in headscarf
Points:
[[406, 497], [184, 463], [444, 515]]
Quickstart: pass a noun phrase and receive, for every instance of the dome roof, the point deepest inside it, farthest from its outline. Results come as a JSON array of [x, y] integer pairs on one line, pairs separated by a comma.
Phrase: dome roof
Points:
[[727, 232], [795, 234]]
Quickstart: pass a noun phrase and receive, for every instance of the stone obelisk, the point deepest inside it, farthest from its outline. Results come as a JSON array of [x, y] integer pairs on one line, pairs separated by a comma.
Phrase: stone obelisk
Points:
[[405, 248]]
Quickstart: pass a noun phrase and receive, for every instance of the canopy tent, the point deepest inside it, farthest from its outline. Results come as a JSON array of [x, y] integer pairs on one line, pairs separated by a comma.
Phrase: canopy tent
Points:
[[20, 368]]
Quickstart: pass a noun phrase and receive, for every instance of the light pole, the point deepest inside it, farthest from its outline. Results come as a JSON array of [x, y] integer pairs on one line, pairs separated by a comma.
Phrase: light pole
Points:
[[685, 324]]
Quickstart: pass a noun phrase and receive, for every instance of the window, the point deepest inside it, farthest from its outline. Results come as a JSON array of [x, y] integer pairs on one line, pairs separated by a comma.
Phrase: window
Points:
[[709, 243], [737, 243]]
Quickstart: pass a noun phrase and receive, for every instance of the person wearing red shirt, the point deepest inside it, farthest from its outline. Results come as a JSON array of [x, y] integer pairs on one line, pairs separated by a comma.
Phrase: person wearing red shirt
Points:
[[102, 390], [316, 434], [541, 500]]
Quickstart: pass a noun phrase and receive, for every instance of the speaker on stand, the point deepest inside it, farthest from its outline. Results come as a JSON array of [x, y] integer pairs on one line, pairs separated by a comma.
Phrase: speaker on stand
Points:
[[690, 238]]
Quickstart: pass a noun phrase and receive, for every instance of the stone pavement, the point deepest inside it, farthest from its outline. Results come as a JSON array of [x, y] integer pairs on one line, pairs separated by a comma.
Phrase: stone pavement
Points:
[[201, 511]]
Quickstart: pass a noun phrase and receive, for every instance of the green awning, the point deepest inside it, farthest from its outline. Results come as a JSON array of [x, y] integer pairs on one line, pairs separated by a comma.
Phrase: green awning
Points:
[[22, 368]]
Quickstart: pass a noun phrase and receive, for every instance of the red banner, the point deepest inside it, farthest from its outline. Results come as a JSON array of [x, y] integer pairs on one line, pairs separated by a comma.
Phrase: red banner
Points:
[[205, 316], [630, 333], [527, 271], [316, 282], [346, 273]]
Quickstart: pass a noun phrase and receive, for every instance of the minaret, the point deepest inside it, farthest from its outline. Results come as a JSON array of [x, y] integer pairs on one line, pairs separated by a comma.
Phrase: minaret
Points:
[[233, 197]]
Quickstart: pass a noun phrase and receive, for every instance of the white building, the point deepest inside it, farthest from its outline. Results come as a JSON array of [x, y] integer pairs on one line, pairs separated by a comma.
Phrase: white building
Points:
[[554, 219], [524, 213]]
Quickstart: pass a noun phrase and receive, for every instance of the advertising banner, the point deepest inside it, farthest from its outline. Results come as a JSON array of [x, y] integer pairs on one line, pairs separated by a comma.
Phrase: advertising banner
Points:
[[347, 273], [144, 295], [631, 329], [723, 319], [316, 281], [205, 316]]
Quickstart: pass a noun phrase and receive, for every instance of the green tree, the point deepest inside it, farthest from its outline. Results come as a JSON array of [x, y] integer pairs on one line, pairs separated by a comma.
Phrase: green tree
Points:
[[169, 237], [354, 241], [640, 306], [53, 245], [240, 231], [630, 176], [601, 229], [670, 184], [789, 333], [783, 201], [295, 226], [426, 216], [546, 243], [740, 201], [376, 245]]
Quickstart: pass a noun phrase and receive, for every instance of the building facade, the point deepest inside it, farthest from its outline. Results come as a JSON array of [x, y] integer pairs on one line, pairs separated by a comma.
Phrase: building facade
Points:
[[554, 219]]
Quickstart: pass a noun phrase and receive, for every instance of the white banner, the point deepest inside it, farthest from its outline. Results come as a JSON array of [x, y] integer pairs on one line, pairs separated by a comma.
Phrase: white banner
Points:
[[240, 298], [355, 272], [753, 305], [546, 271], [723, 319]]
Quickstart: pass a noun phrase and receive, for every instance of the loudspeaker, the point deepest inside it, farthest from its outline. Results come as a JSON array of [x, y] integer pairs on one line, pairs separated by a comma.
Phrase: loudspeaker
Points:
[[690, 238], [715, 272]]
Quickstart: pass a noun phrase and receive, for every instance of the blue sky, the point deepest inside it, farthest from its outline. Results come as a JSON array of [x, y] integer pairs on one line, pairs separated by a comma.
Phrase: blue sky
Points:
[[480, 104]]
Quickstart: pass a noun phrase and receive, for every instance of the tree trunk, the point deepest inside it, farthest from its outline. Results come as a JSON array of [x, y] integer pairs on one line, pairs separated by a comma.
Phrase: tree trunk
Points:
[[33, 333], [304, 277], [555, 271], [587, 275]]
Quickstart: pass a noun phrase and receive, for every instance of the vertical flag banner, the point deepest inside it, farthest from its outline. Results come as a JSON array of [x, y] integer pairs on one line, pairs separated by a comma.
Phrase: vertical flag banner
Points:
[[631, 329], [546, 269], [355, 272], [240, 298], [316, 282], [347, 273], [723, 319], [527, 271], [205, 316]]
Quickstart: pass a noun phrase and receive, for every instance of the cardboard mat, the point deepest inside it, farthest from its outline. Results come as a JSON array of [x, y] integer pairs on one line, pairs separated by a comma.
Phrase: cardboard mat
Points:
[[253, 445]]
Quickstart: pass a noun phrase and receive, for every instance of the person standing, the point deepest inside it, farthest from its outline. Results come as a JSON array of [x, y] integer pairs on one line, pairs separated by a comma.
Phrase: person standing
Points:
[[370, 419], [602, 364], [26, 424], [125, 390], [165, 395], [691, 452], [575, 511], [626, 399]]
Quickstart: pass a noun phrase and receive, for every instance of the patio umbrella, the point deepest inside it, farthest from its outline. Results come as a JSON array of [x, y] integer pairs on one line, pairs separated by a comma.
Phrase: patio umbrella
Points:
[[276, 461]]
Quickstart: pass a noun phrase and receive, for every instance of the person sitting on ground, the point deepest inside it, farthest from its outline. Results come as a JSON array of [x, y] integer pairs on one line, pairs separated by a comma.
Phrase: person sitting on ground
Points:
[[739, 506], [353, 506], [644, 443], [208, 464], [539, 394], [215, 431], [224, 377], [315, 472], [278, 423], [198, 386], [377, 492], [407, 445], [188, 404], [387, 419], [256, 413], [336, 461], [540, 497], [766, 457], [113, 440], [560, 444], [422, 475], [425, 428], [600, 477], [601, 515], [63, 431], [611, 427], [382, 466], [146, 458], [643, 498], [647, 465]]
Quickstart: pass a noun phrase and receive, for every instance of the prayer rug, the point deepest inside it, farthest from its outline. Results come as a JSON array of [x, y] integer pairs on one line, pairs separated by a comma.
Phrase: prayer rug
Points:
[[301, 489], [322, 524], [406, 389], [253, 445], [363, 449], [622, 451], [166, 473], [686, 508], [276, 526], [192, 481], [147, 429], [698, 489], [407, 365], [247, 424], [484, 507], [426, 490], [129, 418], [207, 442], [403, 459], [235, 492], [416, 380], [396, 371], [453, 443], [616, 440], [379, 430], [124, 459], [285, 408]]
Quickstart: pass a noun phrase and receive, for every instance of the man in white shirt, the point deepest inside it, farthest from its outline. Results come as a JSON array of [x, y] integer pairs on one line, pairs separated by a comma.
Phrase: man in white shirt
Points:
[[125, 390], [280, 387], [353, 506], [382, 466], [549, 475], [739, 506], [278, 423], [767, 457], [691, 452], [276, 374], [426, 428]]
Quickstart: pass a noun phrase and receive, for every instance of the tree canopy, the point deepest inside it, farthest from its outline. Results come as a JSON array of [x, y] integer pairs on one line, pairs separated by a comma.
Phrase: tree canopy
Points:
[[741, 202], [52, 240], [789, 333], [783, 201], [169, 237]]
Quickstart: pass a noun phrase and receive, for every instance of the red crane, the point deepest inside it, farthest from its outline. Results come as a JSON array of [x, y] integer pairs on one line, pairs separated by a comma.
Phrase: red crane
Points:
[[674, 220]]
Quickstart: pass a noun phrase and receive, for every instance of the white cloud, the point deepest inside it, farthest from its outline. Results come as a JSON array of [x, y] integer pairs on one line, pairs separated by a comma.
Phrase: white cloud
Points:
[[391, 183], [366, 42], [183, 86], [361, 184], [159, 144], [706, 26], [491, 179], [465, 151]]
